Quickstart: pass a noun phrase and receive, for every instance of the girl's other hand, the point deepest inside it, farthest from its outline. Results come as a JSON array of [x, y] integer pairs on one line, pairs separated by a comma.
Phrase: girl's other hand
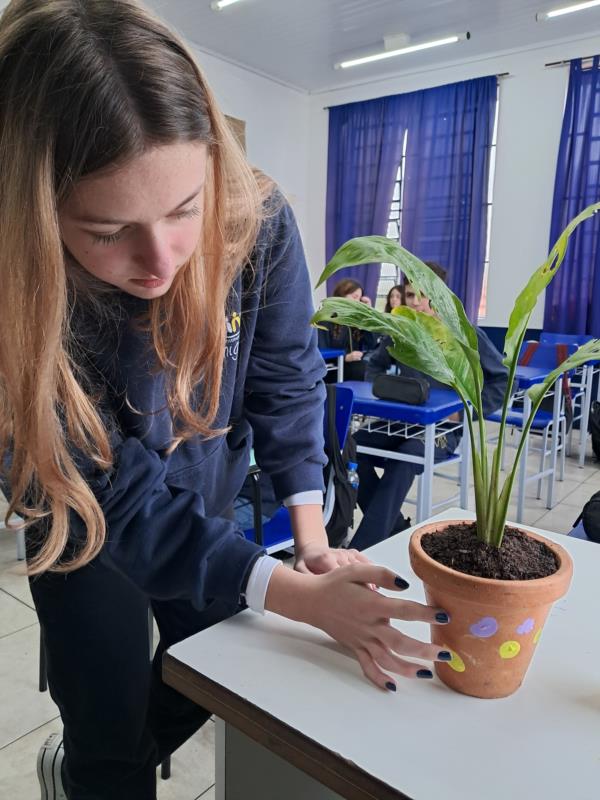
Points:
[[319, 559]]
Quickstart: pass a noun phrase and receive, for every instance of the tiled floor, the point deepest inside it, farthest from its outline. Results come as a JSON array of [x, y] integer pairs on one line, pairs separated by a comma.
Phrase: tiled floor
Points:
[[27, 717]]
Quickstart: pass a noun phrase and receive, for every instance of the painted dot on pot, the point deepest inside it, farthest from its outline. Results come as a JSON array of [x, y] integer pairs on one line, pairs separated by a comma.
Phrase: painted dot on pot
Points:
[[536, 638], [509, 649], [526, 627], [456, 663], [486, 627]]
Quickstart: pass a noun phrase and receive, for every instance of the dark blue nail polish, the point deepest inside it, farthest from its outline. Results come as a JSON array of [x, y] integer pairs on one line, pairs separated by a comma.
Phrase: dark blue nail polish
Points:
[[441, 616], [444, 655], [401, 583], [424, 673], [390, 686]]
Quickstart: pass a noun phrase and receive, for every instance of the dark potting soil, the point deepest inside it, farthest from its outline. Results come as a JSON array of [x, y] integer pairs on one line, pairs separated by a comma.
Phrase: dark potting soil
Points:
[[520, 558]]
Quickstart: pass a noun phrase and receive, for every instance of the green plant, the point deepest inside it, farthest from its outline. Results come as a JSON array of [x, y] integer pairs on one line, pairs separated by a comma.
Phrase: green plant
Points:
[[445, 347]]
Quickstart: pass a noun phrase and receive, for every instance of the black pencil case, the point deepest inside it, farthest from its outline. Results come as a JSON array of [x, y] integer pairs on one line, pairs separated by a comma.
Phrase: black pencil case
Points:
[[401, 389]]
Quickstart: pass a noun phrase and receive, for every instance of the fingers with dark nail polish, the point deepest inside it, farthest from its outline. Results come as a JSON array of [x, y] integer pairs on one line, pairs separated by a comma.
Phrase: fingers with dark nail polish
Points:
[[390, 686], [442, 616], [401, 583], [444, 655], [424, 673]]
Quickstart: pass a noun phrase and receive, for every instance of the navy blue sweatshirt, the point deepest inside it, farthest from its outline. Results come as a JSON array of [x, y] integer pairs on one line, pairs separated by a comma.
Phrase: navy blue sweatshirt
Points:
[[167, 515], [495, 374]]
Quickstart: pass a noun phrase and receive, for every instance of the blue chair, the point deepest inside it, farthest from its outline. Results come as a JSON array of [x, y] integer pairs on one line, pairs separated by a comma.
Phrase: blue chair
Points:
[[581, 388], [565, 338], [276, 534], [544, 358]]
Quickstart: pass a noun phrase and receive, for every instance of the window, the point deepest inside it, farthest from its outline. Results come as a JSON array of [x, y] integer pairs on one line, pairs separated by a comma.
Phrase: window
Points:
[[390, 274], [490, 193]]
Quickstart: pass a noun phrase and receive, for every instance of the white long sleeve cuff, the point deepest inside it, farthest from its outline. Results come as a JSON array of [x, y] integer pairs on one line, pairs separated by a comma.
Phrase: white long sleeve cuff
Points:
[[311, 497], [258, 582]]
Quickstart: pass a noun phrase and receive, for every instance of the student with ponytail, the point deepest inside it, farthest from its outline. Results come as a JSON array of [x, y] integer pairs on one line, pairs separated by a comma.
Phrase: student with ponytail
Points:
[[155, 321]]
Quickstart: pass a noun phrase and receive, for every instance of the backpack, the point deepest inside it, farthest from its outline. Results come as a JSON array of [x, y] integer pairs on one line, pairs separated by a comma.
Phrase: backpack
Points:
[[342, 518], [590, 517], [594, 427], [547, 404]]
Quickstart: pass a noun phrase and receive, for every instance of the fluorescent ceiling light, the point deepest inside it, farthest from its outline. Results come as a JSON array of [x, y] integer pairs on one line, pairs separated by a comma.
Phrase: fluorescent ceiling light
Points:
[[542, 16], [413, 48], [219, 5]]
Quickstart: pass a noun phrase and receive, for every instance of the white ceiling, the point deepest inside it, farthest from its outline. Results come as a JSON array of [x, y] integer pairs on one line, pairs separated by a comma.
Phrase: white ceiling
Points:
[[298, 41]]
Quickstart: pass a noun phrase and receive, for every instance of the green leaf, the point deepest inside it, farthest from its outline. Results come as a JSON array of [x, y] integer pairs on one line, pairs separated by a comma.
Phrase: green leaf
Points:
[[419, 340], [590, 351], [378, 249], [527, 300]]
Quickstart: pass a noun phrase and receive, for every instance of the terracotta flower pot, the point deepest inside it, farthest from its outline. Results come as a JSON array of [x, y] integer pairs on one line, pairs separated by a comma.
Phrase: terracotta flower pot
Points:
[[494, 624]]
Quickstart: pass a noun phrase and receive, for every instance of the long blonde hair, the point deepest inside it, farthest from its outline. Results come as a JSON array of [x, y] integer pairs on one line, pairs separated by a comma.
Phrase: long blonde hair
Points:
[[86, 85]]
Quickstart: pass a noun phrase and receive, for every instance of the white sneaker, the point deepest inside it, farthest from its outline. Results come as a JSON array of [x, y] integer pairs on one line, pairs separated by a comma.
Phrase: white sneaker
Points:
[[49, 764]]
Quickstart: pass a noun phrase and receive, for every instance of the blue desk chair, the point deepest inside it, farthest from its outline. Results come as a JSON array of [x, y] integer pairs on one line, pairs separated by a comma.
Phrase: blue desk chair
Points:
[[565, 338], [581, 388], [276, 534], [543, 358]]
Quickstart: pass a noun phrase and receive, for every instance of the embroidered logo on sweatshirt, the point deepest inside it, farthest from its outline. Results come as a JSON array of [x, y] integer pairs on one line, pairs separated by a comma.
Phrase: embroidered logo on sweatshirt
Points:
[[233, 323]]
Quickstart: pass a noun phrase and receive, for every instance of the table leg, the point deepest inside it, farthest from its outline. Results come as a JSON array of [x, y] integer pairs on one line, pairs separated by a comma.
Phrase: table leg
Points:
[[523, 463], [340, 369], [220, 747], [246, 770], [425, 495]]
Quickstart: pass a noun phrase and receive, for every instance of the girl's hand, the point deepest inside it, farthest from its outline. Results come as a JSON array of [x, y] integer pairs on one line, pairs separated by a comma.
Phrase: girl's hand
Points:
[[319, 559], [340, 603], [355, 355]]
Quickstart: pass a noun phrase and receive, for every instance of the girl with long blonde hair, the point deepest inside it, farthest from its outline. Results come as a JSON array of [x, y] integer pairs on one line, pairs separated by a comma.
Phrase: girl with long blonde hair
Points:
[[155, 321]]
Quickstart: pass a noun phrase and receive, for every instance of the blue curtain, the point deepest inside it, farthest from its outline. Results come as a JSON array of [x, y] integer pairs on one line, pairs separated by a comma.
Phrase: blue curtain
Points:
[[445, 211], [365, 148], [573, 297], [444, 216]]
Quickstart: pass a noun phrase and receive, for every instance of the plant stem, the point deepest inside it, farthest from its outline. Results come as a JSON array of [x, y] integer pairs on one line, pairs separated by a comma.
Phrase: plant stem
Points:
[[500, 522], [480, 490]]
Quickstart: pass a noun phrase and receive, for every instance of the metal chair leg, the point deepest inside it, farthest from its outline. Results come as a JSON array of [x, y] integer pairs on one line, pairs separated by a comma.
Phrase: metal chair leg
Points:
[[563, 454], [21, 545], [544, 453], [165, 769]]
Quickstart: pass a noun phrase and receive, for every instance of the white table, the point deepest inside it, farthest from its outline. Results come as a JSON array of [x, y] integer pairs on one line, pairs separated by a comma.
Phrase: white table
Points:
[[292, 690]]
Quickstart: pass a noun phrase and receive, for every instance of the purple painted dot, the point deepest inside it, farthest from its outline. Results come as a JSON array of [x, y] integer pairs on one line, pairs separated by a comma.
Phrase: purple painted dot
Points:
[[487, 626], [526, 627]]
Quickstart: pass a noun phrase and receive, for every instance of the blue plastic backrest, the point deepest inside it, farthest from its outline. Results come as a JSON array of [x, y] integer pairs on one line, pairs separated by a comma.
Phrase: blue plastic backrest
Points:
[[565, 338], [344, 400], [545, 357]]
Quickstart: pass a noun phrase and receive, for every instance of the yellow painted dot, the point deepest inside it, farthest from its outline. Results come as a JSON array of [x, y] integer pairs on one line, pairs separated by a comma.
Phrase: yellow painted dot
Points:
[[536, 638], [509, 649], [457, 664]]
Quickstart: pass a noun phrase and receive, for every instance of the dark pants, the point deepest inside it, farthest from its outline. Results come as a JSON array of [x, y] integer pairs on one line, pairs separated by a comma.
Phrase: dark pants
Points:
[[381, 499], [120, 720]]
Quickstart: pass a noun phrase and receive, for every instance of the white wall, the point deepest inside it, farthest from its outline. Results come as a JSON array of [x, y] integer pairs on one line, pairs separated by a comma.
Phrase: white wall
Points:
[[531, 109], [276, 119]]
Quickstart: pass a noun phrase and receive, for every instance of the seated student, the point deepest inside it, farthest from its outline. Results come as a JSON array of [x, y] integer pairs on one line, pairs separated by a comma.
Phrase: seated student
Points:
[[393, 299], [355, 343], [381, 499]]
